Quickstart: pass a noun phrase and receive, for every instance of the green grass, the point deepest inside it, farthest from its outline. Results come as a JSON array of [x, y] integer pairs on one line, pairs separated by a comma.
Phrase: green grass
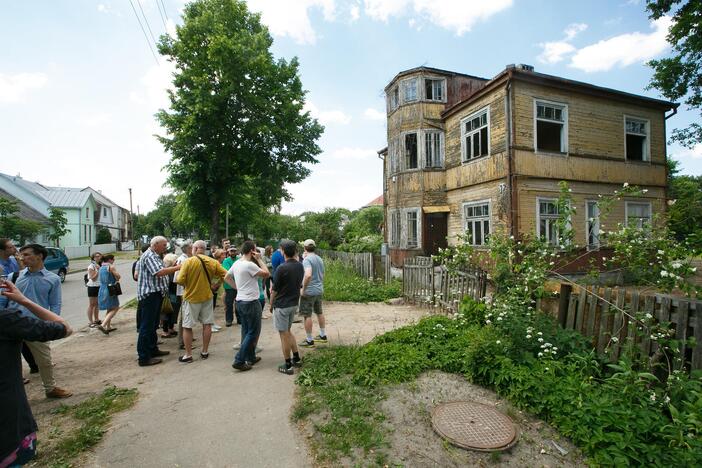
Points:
[[77, 428], [341, 283], [131, 304]]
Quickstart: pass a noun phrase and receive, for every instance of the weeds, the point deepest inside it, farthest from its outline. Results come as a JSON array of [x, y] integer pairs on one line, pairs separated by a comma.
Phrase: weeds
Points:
[[341, 283]]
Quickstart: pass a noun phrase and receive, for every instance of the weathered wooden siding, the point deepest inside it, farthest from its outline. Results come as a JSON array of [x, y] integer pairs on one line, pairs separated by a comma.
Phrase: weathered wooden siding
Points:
[[416, 116], [489, 191], [595, 125], [498, 144], [417, 188], [530, 189]]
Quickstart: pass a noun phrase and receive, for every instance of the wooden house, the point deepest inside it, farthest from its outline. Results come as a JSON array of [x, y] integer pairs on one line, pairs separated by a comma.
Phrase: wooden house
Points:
[[469, 155]]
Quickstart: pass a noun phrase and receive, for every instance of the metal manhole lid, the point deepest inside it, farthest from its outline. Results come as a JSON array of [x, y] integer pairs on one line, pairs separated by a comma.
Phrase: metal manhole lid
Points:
[[474, 426]]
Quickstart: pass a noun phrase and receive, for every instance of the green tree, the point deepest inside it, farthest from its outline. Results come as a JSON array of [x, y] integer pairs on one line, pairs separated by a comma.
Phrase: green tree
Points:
[[103, 236], [685, 210], [57, 225], [235, 129], [14, 227], [679, 77]]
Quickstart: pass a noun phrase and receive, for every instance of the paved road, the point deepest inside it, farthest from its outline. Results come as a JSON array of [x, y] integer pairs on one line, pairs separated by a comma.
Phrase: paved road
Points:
[[75, 295]]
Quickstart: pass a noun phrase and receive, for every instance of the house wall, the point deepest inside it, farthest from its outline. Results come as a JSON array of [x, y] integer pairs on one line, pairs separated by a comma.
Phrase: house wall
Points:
[[486, 191]]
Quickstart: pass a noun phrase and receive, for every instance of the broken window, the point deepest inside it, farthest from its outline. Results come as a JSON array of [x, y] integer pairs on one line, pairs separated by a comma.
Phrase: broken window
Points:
[[593, 225], [394, 152], [551, 127], [547, 220], [409, 90], [433, 148], [411, 160], [636, 139], [434, 89], [475, 135], [412, 229], [394, 98], [638, 215], [476, 218]]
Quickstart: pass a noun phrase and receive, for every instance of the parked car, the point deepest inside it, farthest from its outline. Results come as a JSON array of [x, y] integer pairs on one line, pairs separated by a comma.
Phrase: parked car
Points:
[[57, 262]]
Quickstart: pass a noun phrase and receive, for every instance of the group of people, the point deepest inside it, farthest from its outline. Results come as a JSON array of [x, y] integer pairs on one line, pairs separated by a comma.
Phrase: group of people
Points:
[[183, 290], [173, 291]]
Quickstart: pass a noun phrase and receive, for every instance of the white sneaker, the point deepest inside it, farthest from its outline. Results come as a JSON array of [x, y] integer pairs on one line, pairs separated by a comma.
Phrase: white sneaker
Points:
[[216, 328]]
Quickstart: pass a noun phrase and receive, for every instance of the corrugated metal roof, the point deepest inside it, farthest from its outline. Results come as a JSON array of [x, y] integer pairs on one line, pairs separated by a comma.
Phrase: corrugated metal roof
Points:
[[25, 211], [66, 198]]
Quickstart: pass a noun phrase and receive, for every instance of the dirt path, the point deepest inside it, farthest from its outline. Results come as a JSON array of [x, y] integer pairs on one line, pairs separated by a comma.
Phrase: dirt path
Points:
[[202, 414]]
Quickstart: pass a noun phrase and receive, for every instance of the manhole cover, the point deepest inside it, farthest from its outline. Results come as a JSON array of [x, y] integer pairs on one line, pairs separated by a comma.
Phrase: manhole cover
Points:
[[474, 426]]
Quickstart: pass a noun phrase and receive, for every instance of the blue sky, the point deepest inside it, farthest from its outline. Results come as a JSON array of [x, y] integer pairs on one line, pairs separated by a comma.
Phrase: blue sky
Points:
[[79, 85]]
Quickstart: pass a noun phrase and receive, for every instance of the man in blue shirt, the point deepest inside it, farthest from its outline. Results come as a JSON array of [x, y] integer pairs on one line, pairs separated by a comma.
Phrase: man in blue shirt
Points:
[[8, 262], [42, 287], [277, 257]]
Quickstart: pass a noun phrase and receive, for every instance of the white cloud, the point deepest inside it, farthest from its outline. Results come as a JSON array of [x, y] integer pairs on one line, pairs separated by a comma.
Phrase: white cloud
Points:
[[695, 152], [354, 153], [556, 51], [624, 49], [355, 12], [291, 18], [373, 114], [99, 119], [327, 117], [458, 16], [13, 88], [154, 83]]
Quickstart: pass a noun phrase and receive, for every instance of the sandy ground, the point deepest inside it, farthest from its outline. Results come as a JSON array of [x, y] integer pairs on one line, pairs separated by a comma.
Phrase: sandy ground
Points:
[[205, 414]]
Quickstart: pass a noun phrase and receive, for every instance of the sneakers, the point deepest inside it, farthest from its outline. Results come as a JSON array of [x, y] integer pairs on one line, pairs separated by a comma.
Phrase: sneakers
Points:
[[185, 359], [283, 369], [297, 363], [320, 338], [307, 344], [228, 324], [242, 366], [58, 392], [215, 328], [256, 359]]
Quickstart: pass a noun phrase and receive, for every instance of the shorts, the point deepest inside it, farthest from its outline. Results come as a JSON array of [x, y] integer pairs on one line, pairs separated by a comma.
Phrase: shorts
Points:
[[202, 312], [309, 304], [283, 318], [93, 291]]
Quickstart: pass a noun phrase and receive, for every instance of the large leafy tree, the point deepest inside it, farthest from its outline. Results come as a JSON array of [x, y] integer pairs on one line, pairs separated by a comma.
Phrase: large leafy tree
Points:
[[685, 211], [236, 131], [679, 77], [13, 226]]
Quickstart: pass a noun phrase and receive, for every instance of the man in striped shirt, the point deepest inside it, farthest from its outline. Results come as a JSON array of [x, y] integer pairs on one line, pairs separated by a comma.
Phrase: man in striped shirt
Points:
[[152, 286]]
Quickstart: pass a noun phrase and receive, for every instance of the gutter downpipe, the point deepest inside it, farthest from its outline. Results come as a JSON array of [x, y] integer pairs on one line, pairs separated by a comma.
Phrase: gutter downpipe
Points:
[[513, 220], [665, 131]]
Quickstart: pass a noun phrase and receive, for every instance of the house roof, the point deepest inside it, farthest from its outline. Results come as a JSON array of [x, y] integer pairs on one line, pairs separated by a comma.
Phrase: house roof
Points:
[[25, 211], [375, 202], [66, 198], [513, 73], [100, 198], [437, 71]]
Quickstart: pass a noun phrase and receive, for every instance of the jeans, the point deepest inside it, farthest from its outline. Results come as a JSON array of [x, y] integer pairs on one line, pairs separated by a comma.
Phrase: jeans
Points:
[[250, 314], [150, 313], [229, 296]]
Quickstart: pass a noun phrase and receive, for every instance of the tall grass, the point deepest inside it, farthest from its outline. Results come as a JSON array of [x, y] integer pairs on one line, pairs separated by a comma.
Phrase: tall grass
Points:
[[341, 283]]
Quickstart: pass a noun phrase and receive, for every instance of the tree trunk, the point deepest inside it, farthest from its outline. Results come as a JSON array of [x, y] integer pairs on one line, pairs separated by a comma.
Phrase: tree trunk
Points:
[[214, 227]]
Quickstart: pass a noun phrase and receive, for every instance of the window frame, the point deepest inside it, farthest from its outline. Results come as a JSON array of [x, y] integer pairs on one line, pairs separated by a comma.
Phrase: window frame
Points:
[[647, 146], [404, 241], [463, 121], [538, 218], [443, 88], [403, 99], [564, 139], [395, 228], [403, 151], [626, 212], [480, 219], [442, 148], [597, 245]]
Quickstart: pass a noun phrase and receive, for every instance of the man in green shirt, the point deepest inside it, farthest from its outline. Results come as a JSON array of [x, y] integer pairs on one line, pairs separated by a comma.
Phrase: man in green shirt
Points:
[[229, 292]]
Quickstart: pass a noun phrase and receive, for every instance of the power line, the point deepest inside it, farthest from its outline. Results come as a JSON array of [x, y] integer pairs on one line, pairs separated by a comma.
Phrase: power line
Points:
[[164, 9], [146, 20], [148, 42], [163, 20]]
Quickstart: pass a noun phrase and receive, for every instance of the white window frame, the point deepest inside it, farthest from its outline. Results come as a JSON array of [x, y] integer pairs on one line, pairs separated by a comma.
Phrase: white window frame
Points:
[[395, 228], [443, 88], [538, 219], [405, 228], [480, 219], [425, 134], [464, 150], [403, 85], [626, 211], [595, 227], [564, 137], [647, 146], [393, 100], [403, 151]]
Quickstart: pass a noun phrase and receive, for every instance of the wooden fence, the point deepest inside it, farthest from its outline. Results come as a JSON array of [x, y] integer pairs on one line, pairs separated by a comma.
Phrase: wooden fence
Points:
[[362, 262], [608, 316], [437, 287]]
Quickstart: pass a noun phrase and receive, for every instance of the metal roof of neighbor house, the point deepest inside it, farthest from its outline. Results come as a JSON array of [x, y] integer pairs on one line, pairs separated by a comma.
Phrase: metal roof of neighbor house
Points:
[[100, 198], [25, 211], [66, 198]]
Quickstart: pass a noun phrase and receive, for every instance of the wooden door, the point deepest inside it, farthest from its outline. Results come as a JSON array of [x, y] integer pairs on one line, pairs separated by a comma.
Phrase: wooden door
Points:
[[435, 232]]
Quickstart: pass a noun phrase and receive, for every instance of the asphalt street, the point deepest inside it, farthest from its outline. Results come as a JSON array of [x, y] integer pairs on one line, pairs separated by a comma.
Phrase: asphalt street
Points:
[[74, 294]]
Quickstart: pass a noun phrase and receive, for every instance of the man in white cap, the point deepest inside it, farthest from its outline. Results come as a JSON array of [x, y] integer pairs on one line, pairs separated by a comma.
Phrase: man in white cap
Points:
[[311, 294]]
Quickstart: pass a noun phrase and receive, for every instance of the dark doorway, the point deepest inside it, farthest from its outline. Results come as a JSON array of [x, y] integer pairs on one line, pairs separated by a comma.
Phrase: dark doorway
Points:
[[435, 232]]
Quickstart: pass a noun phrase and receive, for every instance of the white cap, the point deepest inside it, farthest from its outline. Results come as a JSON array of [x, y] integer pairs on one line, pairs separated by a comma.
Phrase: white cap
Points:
[[309, 243]]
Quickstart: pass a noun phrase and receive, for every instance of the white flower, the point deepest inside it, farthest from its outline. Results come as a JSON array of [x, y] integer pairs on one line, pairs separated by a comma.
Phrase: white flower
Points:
[[626, 184], [676, 265], [540, 354], [664, 273], [555, 349], [653, 396], [540, 340], [539, 333], [644, 190], [660, 252], [614, 339], [671, 202], [667, 399], [498, 342], [488, 322], [528, 337], [649, 316]]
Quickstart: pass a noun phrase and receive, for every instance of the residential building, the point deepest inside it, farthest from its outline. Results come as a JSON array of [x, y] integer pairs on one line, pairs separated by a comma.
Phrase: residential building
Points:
[[28, 213], [111, 216], [469, 155]]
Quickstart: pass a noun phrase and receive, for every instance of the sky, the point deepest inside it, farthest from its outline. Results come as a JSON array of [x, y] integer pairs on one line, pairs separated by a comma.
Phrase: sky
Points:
[[79, 84]]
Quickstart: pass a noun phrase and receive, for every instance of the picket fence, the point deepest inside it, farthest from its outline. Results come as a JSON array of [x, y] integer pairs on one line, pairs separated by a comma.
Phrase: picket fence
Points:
[[438, 287], [605, 313]]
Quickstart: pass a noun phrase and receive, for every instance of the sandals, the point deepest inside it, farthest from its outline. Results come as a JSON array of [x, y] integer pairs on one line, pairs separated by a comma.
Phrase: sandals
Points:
[[204, 355], [103, 329], [187, 359]]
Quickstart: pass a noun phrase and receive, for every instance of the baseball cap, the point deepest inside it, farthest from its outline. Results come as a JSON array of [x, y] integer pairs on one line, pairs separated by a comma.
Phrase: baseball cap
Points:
[[232, 248], [309, 243]]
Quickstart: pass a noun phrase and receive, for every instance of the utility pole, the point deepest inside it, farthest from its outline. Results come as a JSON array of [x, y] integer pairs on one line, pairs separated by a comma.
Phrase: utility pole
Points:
[[131, 217]]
